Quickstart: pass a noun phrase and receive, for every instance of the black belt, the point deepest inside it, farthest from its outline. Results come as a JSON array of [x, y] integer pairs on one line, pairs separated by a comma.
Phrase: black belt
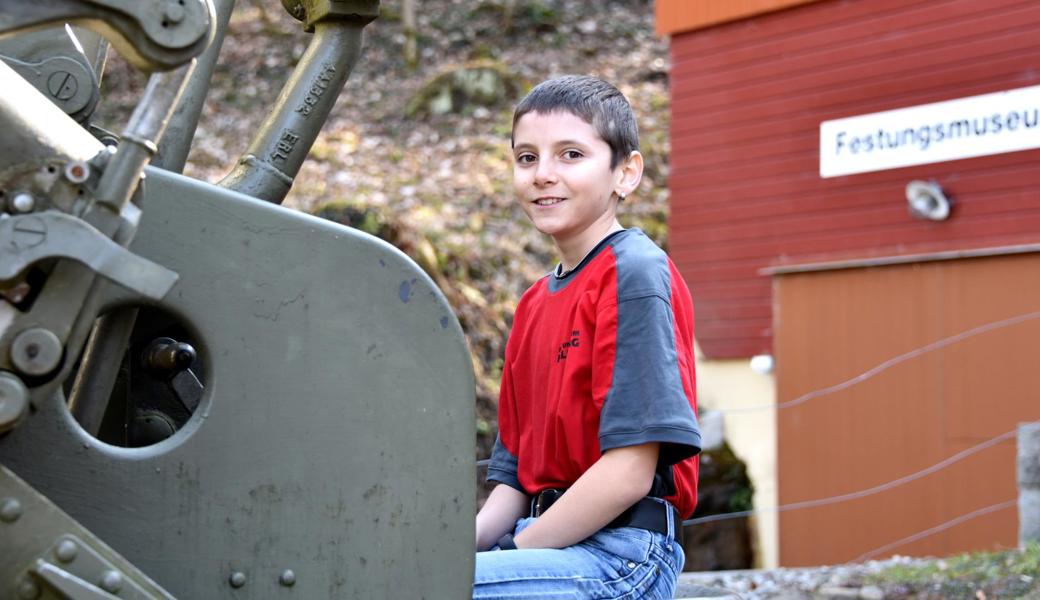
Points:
[[648, 513]]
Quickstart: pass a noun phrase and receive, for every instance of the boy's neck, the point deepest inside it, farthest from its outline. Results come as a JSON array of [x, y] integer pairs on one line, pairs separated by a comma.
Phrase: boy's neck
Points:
[[572, 252]]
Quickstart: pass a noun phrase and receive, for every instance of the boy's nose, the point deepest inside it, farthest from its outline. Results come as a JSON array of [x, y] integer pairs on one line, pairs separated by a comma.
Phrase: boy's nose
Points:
[[545, 173]]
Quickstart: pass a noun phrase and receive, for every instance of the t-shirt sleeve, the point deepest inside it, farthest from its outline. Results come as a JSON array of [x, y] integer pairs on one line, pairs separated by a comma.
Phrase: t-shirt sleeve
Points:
[[503, 466], [646, 400]]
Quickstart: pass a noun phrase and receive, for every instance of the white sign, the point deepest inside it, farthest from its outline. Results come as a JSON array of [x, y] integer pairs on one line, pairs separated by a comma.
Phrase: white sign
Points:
[[930, 133]]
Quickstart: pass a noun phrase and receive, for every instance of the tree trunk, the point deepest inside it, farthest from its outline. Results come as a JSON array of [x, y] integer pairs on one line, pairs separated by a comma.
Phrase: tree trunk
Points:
[[411, 51]]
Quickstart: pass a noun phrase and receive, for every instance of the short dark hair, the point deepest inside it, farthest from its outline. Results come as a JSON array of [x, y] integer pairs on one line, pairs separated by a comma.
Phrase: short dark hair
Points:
[[597, 102]]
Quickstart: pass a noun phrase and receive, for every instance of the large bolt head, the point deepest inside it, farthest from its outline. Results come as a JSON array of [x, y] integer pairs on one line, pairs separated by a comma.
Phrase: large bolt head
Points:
[[77, 172], [23, 202], [10, 510], [66, 551], [14, 400], [36, 352], [112, 582]]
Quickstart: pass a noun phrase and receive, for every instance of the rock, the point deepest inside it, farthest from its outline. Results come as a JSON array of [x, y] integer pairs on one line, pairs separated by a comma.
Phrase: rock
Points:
[[463, 89], [831, 592], [685, 590], [588, 26]]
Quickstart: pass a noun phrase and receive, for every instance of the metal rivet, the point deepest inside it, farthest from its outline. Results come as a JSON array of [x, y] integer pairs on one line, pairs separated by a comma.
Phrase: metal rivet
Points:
[[112, 581], [14, 400], [10, 510], [631, 565], [28, 590], [287, 578], [237, 579], [174, 13], [23, 202], [66, 551], [77, 172], [36, 351]]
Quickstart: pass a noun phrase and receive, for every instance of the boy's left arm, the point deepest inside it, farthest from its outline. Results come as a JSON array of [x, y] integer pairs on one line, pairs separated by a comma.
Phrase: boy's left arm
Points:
[[615, 482]]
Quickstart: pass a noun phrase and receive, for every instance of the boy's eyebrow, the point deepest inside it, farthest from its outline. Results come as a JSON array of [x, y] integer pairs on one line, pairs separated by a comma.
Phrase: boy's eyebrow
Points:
[[555, 144]]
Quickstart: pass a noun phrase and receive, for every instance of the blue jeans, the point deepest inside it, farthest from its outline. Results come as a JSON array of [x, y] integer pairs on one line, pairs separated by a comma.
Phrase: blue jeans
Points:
[[625, 562]]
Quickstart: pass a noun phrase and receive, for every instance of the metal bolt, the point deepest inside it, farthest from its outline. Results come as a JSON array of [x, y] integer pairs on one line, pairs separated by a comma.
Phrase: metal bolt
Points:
[[174, 13], [287, 578], [77, 172], [23, 202], [14, 400], [112, 582], [237, 579], [28, 232], [10, 510], [66, 551], [36, 351], [62, 85], [28, 590]]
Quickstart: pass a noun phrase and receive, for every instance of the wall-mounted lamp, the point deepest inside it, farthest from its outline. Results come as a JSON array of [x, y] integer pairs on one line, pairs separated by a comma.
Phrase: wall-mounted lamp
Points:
[[927, 201], [762, 364]]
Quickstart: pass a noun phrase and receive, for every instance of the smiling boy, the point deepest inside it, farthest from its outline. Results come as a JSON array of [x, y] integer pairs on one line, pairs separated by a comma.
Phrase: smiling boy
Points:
[[596, 455]]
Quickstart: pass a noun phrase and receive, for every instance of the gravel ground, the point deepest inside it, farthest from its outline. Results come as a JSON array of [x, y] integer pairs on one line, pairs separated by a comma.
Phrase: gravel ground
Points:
[[830, 582]]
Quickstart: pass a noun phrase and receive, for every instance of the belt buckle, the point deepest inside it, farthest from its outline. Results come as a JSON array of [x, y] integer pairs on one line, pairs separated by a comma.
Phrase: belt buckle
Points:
[[544, 500]]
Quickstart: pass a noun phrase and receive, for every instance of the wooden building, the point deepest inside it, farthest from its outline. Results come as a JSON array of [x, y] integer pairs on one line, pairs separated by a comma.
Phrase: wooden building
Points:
[[832, 274]]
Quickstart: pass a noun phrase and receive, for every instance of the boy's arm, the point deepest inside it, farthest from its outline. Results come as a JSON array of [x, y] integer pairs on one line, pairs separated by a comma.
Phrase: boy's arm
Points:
[[615, 482], [499, 514]]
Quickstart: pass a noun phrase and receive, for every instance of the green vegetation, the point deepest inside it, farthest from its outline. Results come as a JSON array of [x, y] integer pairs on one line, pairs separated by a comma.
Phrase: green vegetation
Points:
[[977, 576]]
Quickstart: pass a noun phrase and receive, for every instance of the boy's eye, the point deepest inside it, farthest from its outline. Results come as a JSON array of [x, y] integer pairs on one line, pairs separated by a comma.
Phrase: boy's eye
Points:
[[572, 154], [525, 158]]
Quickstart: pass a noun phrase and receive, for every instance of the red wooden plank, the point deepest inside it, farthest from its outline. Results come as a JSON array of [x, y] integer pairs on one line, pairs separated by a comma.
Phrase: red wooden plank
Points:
[[873, 79], [756, 35], [731, 257], [734, 347], [1021, 166], [852, 42], [710, 328], [729, 291], [890, 211]]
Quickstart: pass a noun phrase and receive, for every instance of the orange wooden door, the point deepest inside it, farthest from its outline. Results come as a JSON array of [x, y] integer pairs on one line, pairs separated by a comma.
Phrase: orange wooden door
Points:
[[943, 398]]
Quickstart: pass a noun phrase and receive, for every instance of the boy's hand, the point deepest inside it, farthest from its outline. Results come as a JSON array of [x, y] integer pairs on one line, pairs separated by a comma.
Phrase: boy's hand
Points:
[[499, 514], [615, 482]]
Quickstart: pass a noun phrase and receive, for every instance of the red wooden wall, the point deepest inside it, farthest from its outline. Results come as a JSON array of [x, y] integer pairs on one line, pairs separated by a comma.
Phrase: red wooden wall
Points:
[[747, 101]]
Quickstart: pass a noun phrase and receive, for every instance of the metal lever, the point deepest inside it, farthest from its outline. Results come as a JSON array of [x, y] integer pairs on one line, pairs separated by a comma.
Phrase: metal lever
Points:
[[152, 36], [34, 237], [274, 157]]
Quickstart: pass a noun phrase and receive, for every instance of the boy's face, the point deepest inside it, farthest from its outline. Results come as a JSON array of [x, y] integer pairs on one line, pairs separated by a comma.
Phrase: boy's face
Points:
[[563, 180]]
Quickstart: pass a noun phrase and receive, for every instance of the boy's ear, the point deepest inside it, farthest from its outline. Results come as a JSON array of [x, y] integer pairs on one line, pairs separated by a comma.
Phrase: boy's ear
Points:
[[630, 173]]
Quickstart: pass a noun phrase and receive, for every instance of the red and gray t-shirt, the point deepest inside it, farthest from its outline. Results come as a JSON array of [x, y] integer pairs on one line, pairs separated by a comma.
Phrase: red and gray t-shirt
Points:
[[600, 358]]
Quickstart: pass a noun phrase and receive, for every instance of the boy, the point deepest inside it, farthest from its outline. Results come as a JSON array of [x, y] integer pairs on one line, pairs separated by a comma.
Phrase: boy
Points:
[[596, 454]]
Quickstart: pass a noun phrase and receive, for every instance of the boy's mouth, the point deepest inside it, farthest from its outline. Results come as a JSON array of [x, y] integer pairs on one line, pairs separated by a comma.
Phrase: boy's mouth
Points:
[[548, 201]]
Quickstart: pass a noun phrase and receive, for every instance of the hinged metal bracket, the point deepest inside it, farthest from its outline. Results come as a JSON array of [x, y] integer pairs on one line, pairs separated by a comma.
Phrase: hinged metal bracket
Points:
[[30, 238]]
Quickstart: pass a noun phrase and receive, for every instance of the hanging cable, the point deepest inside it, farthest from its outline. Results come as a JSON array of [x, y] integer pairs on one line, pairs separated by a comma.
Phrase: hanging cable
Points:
[[884, 366], [941, 527], [867, 492]]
